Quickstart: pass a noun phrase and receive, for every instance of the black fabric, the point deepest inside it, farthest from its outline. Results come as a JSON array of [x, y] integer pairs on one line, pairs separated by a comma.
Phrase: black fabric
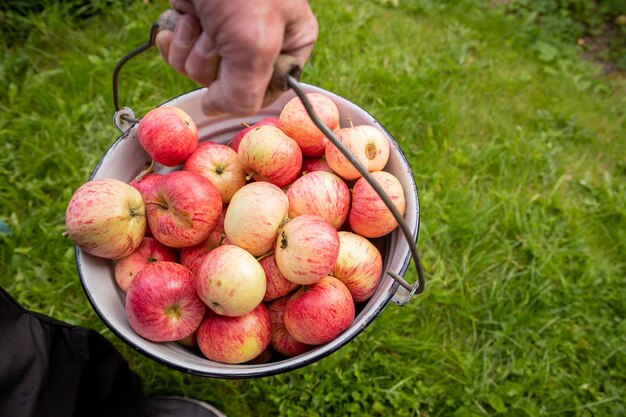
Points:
[[52, 369]]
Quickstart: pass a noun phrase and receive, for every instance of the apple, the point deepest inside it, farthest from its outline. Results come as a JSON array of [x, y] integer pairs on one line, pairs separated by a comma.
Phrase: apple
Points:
[[282, 342], [268, 154], [318, 313], [230, 281], [369, 216], [144, 182], [189, 341], [359, 265], [306, 249], [168, 134], [271, 121], [106, 218], [235, 340], [297, 124], [321, 193], [254, 215], [277, 285], [315, 163], [162, 304], [150, 250], [183, 208], [192, 256], [368, 144], [220, 164]]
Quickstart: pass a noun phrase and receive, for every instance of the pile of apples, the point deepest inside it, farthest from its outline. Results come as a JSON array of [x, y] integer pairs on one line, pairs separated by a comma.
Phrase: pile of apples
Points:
[[244, 250]]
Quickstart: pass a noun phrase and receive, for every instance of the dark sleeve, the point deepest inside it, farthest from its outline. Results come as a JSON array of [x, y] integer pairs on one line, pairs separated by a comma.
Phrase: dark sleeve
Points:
[[52, 369]]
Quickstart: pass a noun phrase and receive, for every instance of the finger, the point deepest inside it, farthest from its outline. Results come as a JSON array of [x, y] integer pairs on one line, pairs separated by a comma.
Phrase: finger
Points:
[[185, 35], [183, 6], [240, 86], [163, 41], [203, 61]]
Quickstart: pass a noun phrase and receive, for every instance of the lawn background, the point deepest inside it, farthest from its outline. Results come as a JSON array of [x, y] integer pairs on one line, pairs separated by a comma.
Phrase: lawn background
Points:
[[518, 151]]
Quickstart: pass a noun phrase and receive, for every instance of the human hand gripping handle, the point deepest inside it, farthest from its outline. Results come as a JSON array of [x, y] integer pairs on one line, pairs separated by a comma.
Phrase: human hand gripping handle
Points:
[[240, 51]]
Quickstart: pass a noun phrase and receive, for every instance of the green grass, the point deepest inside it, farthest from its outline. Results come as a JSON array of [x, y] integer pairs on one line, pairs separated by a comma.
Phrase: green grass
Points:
[[518, 150]]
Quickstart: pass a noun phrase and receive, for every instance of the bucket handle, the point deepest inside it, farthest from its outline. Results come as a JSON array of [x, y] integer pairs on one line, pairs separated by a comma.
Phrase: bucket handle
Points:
[[286, 76]]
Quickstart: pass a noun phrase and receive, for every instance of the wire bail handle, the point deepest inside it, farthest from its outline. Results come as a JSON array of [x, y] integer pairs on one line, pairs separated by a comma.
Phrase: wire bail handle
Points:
[[286, 76]]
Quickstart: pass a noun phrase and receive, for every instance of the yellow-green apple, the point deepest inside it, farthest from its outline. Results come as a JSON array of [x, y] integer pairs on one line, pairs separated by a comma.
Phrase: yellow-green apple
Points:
[[150, 250], [318, 313], [230, 281], [183, 208], [235, 340], [282, 342], [359, 265], [367, 143], [271, 121], [369, 216], [162, 304], [254, 215], [268, 154], [306, 249], [315, 163], [193, 256], [297, 124], [168, 135], [321, 193], [277, 285], [106, 218], [220, 164]]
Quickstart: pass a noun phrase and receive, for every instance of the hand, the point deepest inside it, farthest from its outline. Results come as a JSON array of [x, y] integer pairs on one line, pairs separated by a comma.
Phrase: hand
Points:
[[230, 47]]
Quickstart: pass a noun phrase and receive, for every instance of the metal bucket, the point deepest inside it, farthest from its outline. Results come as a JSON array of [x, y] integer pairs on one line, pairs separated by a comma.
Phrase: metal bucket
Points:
[[126, 158]]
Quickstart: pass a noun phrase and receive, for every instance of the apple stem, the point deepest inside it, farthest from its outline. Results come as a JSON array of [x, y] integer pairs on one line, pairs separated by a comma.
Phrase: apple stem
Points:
[[350, 121], [244, 124], [145, 172], [265, 255], [65, 234], [249, 176]]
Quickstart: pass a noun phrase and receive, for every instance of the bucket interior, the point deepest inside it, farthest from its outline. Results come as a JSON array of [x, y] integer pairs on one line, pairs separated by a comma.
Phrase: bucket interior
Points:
[[126, 158]]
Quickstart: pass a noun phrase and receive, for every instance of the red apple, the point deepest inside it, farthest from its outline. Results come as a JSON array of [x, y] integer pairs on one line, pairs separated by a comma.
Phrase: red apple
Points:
[[297, 124], [318, 313], [277, 285], [150, 250], [220, 164], [162, 304], [369, 216], [235, 339], [315, 163], [282, 342], [320, 193], [189, 341], [106, 218], [183, 208], [368, 144], [269, 155], [168, 134], [192, 257], [144, 183], [271, 121], [359, 265], [254, 215], [306, 249], [230, 281]]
